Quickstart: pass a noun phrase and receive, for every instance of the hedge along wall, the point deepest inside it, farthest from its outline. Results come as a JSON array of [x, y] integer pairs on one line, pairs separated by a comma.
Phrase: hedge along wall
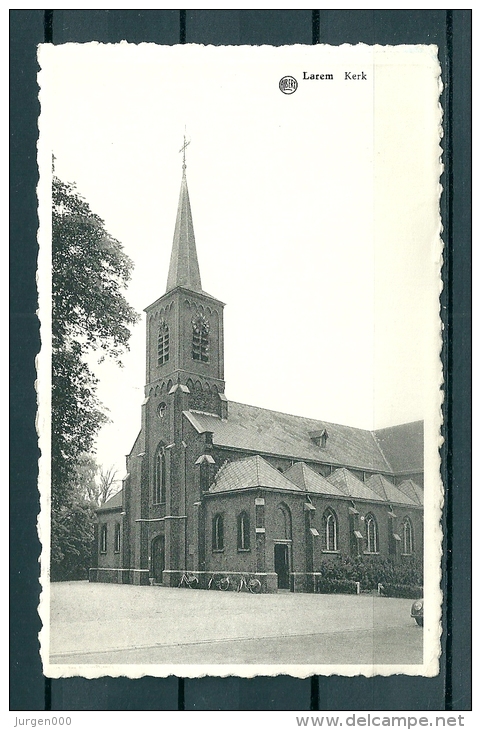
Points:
[[344, 532], [370, 571]]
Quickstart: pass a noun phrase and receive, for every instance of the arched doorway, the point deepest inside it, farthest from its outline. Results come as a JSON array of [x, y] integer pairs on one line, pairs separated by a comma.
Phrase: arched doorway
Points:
[[158, 559], [283, 546], [281, 564]]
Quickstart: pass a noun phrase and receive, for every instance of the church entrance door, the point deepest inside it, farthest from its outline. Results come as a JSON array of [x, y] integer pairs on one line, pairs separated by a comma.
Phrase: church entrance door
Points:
[[281, 565], [158, 558]]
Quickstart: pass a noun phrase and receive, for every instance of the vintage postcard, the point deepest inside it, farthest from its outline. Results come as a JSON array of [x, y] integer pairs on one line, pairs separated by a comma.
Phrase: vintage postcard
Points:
[[240, 384]]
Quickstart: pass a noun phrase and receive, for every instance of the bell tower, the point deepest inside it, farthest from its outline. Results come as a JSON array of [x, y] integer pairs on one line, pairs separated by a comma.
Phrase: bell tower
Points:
[[185, 327], [184, 371]]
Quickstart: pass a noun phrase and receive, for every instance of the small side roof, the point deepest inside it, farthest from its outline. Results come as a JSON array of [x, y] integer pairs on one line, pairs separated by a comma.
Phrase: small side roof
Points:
[[388, 491], [310, 481], [351, 486], [248, 474], [413, 490], [114, 502]]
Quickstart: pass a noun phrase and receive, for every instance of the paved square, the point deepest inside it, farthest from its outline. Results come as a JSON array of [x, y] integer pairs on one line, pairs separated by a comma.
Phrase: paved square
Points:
[[98, 623]]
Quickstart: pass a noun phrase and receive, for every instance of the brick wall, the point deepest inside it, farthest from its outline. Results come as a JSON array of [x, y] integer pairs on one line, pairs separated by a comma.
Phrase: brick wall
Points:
[[111, 557]]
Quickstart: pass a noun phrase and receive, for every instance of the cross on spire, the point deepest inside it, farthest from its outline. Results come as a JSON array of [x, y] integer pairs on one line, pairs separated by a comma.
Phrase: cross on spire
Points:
[[184, 267], [182, 149]]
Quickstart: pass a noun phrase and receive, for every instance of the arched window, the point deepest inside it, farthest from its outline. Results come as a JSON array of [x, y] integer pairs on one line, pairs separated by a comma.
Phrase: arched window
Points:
[[218, 532], [243, 532], [200, 338], [407, 538], [103, 539], [330, 531], [163, 343], [160, 474], [284, 523], [117, 537], [372, 535]]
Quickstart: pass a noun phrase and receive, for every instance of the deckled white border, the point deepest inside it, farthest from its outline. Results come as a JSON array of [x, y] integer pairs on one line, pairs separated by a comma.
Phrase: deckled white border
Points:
[[433, 489]]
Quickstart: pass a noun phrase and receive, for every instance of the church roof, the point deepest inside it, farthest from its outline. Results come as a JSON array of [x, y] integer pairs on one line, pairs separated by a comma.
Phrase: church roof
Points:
[[388, 491], [402, 446], [351, 486], [184, 266], [413, 490], [114, 502], [310, 481], [261, 431], [250, 473], [255, 472]]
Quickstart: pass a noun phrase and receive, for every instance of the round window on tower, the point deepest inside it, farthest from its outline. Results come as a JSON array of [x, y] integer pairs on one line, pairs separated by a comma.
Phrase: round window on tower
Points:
[[161, 409]]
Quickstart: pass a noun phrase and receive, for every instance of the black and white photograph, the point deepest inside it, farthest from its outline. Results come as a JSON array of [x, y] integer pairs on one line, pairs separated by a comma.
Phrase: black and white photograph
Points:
[[240, 384]]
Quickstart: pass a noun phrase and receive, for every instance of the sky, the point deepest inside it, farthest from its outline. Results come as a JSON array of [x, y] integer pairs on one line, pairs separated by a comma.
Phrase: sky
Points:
[[316, 214]]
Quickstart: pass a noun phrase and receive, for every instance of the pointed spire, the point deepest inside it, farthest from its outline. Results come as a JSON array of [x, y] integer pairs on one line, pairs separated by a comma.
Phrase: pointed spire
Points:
[[184, 267]]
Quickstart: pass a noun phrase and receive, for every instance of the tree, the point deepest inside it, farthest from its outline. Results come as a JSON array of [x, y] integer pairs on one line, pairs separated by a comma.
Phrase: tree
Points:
[[89, 314], [73, 521], [107, 484], [84, 485], [71, 541], [94, 483]]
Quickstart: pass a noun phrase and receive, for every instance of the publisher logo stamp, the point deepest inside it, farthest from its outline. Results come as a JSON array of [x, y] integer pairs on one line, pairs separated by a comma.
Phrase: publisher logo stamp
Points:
[[288, 84]]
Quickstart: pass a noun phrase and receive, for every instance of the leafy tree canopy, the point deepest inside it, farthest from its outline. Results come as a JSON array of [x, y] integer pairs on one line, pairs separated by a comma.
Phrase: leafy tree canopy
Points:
[[90, 272], [71, 541], [73, 521]]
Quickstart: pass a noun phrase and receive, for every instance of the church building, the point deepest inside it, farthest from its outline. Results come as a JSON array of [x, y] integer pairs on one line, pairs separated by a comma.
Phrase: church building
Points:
[[216, 488]]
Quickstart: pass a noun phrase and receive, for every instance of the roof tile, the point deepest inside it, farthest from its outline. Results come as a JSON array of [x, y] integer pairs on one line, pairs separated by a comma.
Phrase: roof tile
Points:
[[310, 481], [269, 432], [112, 503], [402, 446], [352, 486], [413, 491], [388, 491], [250, 473]]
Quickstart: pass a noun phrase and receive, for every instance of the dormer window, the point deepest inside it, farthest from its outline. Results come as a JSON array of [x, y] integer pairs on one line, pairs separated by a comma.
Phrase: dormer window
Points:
[[200, 338], [319, 437], [163, 343]]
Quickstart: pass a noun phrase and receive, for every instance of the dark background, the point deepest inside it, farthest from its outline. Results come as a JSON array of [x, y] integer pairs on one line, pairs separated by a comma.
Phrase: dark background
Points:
[[450, 30]]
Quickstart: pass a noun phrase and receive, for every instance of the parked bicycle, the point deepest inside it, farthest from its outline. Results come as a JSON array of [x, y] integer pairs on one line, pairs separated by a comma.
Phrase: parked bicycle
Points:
[[219, 582], [189, 580], [248, 583]]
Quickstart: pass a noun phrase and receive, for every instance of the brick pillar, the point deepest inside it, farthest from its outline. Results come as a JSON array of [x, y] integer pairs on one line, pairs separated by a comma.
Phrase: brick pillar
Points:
[[144, 513], [260, 523], [176, 507], [354, 532], [95, 547], [126, 517], [199, 520], [311, 534], [394, 538]]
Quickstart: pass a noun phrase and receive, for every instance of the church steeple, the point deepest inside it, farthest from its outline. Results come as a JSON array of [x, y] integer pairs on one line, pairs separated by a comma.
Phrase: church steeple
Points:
[[185, 326], [184, 267]]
